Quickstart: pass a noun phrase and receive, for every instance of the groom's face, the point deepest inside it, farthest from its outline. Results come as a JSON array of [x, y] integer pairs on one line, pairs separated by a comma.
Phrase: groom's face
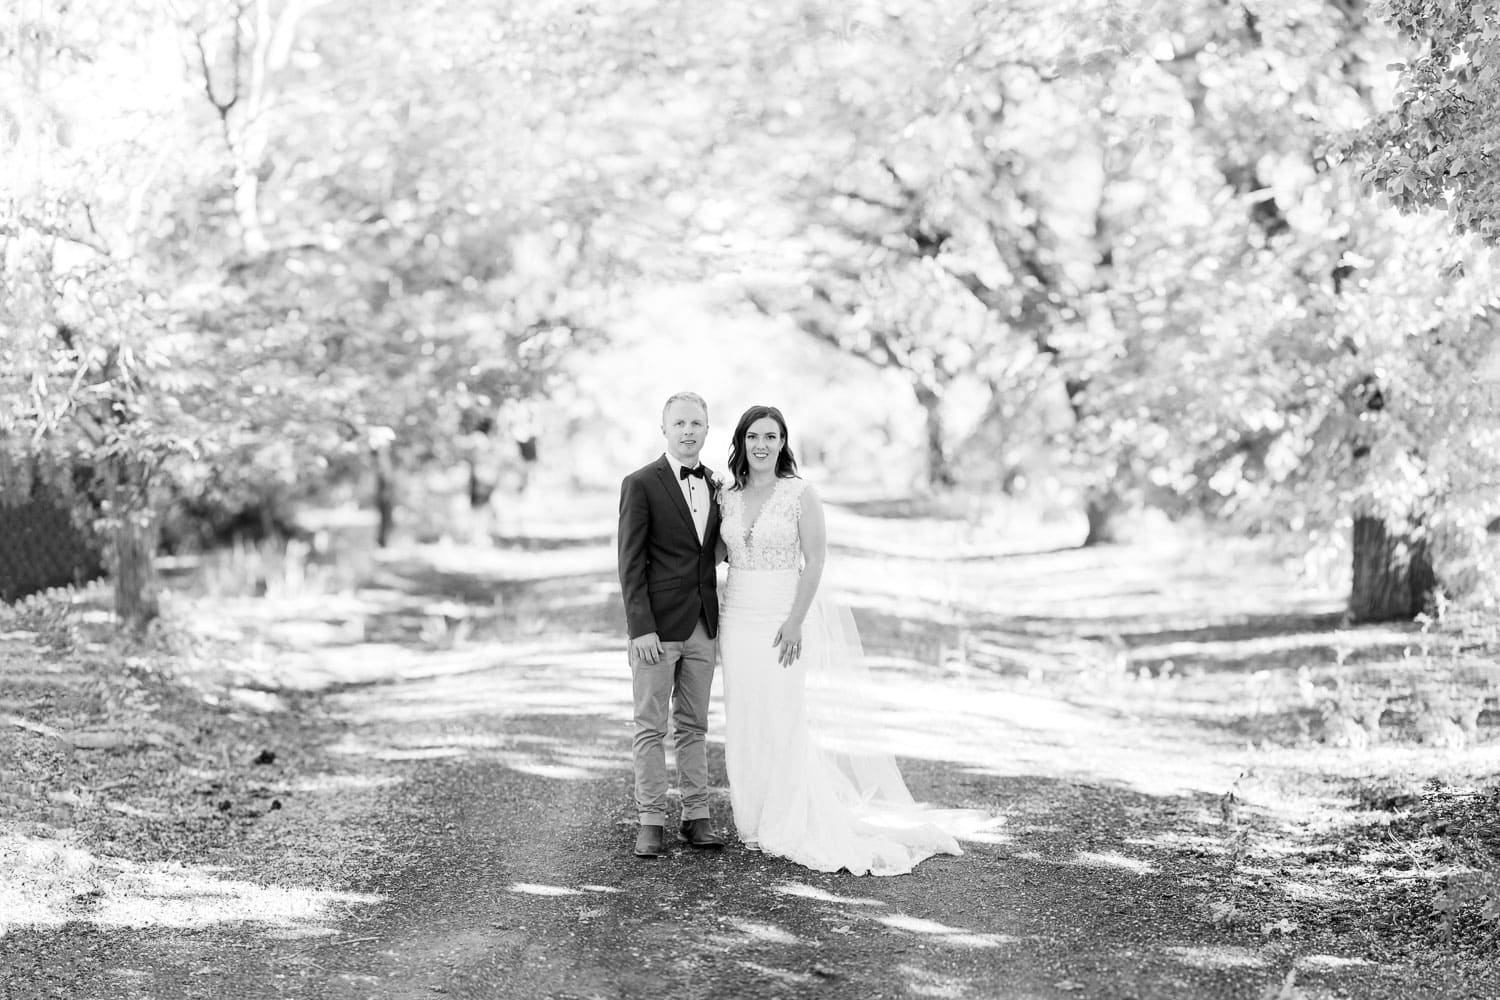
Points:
[[684, 425]]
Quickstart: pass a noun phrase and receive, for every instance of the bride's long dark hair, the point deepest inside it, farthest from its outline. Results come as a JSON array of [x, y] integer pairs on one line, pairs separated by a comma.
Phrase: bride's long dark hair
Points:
[[739, 457]]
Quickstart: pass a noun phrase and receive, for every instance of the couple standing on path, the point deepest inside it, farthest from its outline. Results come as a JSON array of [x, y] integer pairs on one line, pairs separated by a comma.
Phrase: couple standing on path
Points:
[[804, 784]]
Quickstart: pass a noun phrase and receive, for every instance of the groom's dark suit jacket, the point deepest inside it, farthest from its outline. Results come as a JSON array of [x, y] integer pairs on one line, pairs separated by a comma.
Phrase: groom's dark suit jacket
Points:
[[666, 575]]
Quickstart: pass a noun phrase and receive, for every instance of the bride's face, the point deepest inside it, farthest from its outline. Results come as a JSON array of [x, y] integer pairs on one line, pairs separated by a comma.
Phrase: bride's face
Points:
[[763, 444]]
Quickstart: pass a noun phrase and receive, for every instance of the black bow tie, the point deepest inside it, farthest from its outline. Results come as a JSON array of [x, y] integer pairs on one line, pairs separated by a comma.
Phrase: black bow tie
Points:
[[698, 471]]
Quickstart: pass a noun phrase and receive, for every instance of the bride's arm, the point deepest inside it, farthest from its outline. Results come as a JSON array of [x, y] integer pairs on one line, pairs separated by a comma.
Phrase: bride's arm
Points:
[[813, 539]]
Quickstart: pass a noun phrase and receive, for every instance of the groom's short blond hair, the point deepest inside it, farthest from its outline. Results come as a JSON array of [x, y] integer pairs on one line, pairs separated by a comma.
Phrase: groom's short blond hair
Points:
[[683, 397]]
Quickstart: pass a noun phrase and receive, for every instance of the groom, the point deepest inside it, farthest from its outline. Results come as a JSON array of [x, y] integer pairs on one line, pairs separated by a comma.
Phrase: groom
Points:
[[669, 528]]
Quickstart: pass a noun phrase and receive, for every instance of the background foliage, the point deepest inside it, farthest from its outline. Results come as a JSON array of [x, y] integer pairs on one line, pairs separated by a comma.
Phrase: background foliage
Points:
[[1096, 255]]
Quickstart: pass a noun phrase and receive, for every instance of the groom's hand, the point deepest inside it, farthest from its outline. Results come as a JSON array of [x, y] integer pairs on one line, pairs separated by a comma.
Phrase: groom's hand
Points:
[[646, 647]]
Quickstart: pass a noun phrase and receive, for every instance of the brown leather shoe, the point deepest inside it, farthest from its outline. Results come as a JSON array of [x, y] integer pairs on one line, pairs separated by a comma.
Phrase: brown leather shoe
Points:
[[648, 842], [700, 833]]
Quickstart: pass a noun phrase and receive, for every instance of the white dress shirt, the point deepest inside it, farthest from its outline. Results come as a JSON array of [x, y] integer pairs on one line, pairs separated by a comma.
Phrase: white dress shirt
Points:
[[695, 492]]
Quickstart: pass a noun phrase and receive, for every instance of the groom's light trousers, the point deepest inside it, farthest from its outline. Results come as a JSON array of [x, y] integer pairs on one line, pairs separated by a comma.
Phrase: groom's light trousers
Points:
[[676, 685]]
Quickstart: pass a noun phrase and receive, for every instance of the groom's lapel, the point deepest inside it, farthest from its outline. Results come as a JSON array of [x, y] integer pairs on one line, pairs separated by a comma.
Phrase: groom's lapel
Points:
[[664, 472], [713, 500]]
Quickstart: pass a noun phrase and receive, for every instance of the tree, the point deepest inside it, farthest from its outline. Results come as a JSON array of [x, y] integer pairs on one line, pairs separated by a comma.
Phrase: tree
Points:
[[92, 333], [427, 286], [342, 239], [906, 315], [237, 291], [1337, 312], [1436, 148], [919, 251], [1157, 229]]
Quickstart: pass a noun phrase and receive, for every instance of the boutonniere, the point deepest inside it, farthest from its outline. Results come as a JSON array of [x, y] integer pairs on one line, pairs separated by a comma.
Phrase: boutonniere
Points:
[[717, 479]]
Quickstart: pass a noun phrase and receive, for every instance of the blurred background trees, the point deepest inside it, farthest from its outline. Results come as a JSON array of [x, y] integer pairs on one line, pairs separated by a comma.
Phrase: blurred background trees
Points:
[[1098, 256]]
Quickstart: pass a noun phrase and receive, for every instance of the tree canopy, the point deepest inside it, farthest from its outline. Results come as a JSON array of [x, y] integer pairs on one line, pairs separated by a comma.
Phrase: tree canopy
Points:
[[1121, 248], [1436, 147]]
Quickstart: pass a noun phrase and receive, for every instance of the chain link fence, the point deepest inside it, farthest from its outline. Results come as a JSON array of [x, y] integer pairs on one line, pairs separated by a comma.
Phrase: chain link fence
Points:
[[41, 547]]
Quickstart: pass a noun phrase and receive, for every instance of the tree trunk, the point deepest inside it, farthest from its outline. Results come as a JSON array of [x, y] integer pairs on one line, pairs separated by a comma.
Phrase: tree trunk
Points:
[[385, 494], [137, 600], [132, 533], [1393, 576], [1100, 511], [939, 474], [480, 488]]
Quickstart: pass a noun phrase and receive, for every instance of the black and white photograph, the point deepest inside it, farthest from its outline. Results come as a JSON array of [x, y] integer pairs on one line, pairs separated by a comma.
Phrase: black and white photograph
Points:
[[765, 499]]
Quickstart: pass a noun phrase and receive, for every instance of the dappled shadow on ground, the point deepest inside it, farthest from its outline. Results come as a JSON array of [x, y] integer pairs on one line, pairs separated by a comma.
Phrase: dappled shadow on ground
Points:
[[1117, 873], [89, 916], [1090, 698], [1129, 864], [1173, 584], [523, 882], [50, 884], [126, 793], [974, 723]]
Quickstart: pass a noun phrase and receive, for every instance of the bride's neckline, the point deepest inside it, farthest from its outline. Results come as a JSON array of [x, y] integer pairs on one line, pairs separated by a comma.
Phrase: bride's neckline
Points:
[[751, 522]]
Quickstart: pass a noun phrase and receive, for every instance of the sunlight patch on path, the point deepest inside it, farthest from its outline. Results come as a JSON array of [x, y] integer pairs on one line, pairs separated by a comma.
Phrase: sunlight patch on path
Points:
[[780, 975], [1094, 585], [1245, 649], [415, 753], [763, 933], [1329, 963], [1183, 843], [533, 889], [551, 758], [318, 667], [978, 722], [561, 772], [1217, 956], [983, 724], [500, 564], [562, 680], [926, 983], [991, 837], [1303, 892], [344, 782], [822, 895], [45, 883], [943, 933], [1113, 859]]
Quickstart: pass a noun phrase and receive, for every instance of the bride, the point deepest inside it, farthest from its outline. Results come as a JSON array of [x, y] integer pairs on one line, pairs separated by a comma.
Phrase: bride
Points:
[[808, 780]]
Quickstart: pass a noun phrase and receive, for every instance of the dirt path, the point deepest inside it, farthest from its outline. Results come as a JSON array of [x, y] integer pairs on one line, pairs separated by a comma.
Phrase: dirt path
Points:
[[514, 806], [466, 820]]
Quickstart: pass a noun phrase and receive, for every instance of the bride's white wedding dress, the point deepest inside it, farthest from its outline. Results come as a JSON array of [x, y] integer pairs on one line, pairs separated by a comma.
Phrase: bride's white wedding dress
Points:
[[808, 777]]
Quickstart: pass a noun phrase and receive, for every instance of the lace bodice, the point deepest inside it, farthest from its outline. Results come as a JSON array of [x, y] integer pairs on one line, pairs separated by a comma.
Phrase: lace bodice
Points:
[[772, 541]]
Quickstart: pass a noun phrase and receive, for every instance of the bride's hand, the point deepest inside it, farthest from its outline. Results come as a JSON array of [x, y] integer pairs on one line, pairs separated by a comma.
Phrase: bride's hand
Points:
[[789, 638]]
